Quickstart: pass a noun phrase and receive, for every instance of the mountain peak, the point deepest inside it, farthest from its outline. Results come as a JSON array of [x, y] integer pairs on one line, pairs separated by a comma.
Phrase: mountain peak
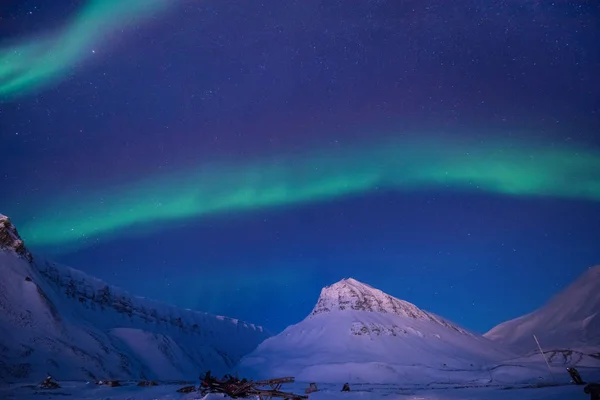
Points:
[[350, 294], [355, 328], [351, 282], [10, 239]]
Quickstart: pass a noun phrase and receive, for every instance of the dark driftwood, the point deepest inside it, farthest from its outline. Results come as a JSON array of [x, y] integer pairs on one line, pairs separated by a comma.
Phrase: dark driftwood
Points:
[[237, 388]]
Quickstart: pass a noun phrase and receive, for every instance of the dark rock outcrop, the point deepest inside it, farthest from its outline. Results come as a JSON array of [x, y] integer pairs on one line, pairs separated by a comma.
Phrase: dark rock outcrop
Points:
[[10, 239]]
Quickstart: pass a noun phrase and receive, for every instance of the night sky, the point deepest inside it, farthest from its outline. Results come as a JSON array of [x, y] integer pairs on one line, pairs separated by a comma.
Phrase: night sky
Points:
[[237, 156]]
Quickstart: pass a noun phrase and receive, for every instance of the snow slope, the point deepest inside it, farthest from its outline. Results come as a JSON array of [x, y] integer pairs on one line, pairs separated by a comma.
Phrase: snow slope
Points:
[[569, 321], [357, 333], [60, 321]]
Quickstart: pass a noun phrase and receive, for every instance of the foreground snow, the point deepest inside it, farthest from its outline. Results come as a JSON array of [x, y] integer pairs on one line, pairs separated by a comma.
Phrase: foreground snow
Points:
[[83, 391]]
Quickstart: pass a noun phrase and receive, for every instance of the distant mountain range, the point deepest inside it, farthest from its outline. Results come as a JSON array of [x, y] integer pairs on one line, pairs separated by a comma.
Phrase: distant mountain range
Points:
[[59, 321]]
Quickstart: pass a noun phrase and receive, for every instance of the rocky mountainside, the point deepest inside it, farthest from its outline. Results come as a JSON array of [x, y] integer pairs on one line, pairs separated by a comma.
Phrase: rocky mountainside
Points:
[[58, 320], [350, 294], [10, 239], [568, 321], [358, 333]]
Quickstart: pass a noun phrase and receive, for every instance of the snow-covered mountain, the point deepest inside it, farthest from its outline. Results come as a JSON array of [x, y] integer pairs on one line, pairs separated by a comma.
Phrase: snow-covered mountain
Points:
[[58, 320], [358, 333], [569, 321]]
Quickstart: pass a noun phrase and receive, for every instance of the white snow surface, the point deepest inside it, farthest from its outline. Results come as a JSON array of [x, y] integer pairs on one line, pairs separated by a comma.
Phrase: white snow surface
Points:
[[83, 391], [59, 321], [569, 321]]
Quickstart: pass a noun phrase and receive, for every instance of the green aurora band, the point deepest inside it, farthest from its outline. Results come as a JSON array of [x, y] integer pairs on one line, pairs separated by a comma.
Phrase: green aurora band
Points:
[[30, 64], [501, 167]]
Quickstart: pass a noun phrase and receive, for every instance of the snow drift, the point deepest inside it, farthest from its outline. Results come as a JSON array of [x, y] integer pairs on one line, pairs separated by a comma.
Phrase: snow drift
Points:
[[59, 321]]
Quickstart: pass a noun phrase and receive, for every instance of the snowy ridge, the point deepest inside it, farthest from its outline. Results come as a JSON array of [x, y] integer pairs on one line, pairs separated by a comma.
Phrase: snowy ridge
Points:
[[357, 333], [570, 320], [350, 294], [92, 292], [58, 320]]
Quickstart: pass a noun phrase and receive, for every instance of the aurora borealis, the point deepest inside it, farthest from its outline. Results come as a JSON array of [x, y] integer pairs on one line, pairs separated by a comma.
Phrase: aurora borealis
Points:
[[235, 157], [33, 62], [525, 170]]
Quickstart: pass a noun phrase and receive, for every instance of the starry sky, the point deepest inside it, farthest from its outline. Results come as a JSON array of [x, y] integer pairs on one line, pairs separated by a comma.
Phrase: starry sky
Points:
[[235, 157]]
